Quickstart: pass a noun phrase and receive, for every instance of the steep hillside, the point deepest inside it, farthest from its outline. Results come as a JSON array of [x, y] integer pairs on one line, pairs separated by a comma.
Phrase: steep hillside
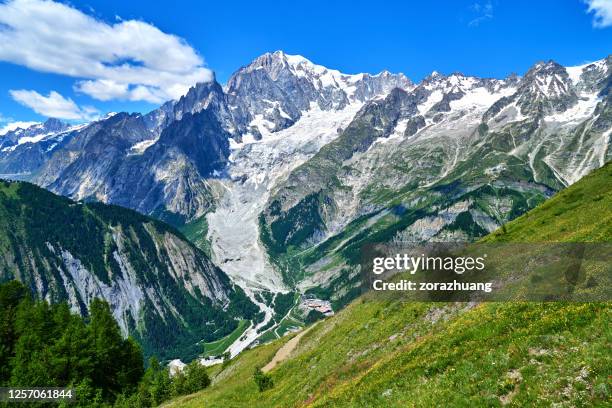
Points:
[[391, 353], [580, 213], [161, 288]]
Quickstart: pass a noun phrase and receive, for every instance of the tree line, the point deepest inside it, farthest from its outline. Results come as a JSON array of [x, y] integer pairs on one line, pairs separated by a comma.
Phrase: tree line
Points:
[[45, 345]]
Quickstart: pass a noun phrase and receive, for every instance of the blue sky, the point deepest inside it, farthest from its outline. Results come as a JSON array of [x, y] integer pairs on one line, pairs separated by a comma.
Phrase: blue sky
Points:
[[85, 58]]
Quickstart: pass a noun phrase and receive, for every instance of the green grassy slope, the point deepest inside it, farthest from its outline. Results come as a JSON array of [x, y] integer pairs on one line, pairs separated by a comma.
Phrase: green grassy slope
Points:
[[196, 231], [391, 353], [580, 213]]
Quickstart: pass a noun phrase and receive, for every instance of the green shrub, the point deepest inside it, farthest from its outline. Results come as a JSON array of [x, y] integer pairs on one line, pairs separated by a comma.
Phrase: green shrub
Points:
[[263, 381]]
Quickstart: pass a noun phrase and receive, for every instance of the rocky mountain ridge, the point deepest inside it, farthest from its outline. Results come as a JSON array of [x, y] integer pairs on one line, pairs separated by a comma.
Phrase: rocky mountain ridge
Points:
[[168, 155], [308, 160]]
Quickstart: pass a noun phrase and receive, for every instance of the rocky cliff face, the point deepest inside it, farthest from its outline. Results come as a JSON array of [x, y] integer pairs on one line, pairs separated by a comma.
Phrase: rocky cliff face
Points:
[[161, 288], [111, 162]]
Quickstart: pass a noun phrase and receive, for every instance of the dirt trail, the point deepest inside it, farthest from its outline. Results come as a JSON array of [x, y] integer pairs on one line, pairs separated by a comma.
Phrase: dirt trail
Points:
[[284, 351]]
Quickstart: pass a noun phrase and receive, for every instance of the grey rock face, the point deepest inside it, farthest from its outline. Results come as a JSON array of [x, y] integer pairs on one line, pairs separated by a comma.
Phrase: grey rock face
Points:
[[414, 124], [546, 88], [79, 169], [167, 179]]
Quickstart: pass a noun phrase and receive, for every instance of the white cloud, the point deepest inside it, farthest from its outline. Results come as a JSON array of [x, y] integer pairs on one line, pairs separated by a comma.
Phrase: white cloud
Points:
[[602, 10], [54, 105], [16, 125], [106, 90], [483, 11], [130, 60]]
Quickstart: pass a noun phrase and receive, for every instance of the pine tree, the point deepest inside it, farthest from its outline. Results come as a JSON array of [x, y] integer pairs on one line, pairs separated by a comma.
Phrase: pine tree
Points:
[[47, 345], [11, 294], [35, 331], [118, 362], [72, 353]]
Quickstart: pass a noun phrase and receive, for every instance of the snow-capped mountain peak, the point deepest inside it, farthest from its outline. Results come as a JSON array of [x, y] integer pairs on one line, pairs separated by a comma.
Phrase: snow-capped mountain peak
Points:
[[589, 76], [278, 64], [33, 133], [272, 92], [547, 80]]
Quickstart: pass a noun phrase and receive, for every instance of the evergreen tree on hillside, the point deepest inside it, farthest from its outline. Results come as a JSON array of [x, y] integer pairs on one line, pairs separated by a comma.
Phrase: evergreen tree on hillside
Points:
[[44, 345], [11, 294], [72, 352], [36, 331], [119, 364]]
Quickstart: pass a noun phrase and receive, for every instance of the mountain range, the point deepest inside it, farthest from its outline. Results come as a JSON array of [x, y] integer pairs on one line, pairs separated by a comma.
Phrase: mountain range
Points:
[[285, 172]]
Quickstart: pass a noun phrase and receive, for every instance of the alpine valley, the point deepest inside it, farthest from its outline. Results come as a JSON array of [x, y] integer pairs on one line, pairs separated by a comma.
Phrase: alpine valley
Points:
[[278, 178]]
